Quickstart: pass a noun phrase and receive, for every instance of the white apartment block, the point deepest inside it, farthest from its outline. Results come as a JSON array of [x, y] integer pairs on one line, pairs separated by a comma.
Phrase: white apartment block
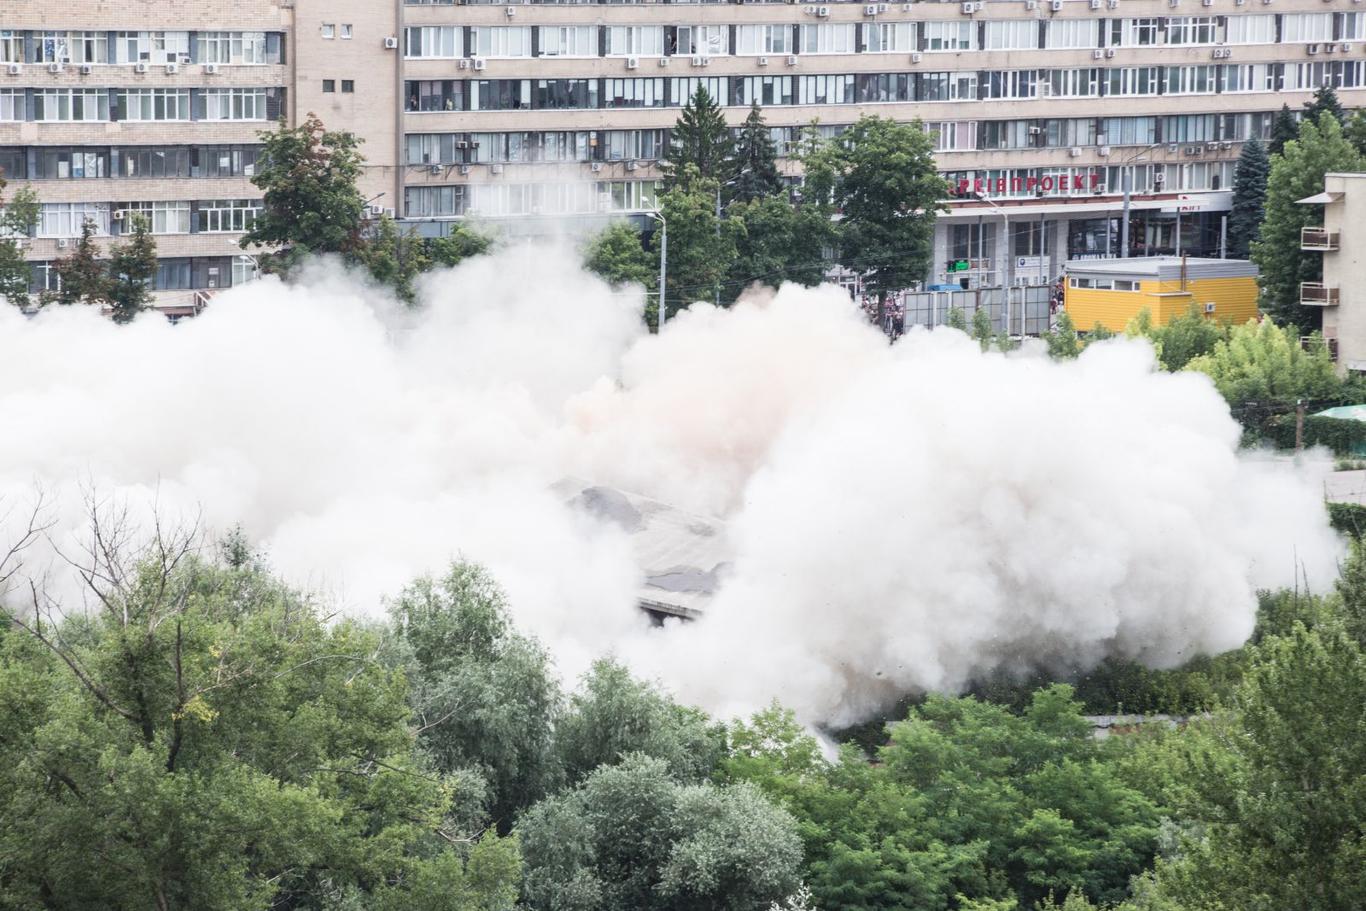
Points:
[[553, 110], [1342, 292]]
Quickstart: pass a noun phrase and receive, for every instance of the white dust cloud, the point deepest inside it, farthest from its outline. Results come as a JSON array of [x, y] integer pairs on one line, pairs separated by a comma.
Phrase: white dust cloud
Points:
[[902, 517]]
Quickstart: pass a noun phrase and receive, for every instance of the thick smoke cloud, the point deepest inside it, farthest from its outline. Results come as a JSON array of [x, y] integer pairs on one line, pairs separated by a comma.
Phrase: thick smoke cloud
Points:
[[902, 517]]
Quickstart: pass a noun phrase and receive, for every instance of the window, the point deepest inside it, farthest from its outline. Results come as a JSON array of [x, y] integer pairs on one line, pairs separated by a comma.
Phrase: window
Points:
[[70, 163], [225, 161], [948, 36], [234, 104], [953, 136], [948, 87], [153, 47], [633, 93], [1135, 32], [763, 90], [629, 196], [501, 94], [1353, 27], [1011, 84], [635, 41], [227, 216], [1129, 131], [763, 39], [1190, 80], [834, 38], [426, 202], [162, 217], [1251, 30], [569, 41], [348, 86], [1079, 282], [838, 89], [436, 41], [1249, 77], [1070, 33], [436, 95], [232, 47], [64, 219], [1188, 128], [153, 104], [1191, 30], [54, 105], [700, 40], [1132, 80], [346, 31], [329, 86], [11, 105], [1306, 27], [501, 41], [1074, 83], [11, 46], [329, 30], [684, 87], [890, 37], [13, 163], [1012, 35], [173, 275], [244, 269], [71, 47], [143, 161]]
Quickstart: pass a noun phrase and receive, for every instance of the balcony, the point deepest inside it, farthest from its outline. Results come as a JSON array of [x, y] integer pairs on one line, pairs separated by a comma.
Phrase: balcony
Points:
[[1319, 239], [1317, 294], [1313, 343]]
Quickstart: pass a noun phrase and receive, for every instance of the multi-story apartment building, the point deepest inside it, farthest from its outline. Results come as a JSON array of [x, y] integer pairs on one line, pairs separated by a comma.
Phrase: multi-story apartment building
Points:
[[1042, 111]]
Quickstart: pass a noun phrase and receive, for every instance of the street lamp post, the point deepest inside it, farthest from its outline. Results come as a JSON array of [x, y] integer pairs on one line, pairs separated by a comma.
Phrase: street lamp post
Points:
[[1126, 180], [662, 312], [1004, 245]]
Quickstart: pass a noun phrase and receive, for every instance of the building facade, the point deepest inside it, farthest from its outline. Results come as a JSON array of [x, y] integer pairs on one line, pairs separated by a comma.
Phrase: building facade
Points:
[[1042, 111], [1110, 293], [1342, 292]]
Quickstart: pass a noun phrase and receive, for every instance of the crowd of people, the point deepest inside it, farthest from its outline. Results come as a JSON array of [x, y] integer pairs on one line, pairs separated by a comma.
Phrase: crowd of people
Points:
[[890, 318]]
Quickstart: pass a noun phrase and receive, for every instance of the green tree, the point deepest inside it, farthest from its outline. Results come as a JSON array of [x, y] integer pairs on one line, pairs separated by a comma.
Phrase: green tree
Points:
[[613, 714], [956, 319], [888, 190], [310, 203], [1283, 129], [1295, 174], [780, 243], [1063, 341], [1249, 198], [981, 327], [1185, 338], [81, 276], [132, 269], [702, 249], [756, 160], [1325, 101], [484, 697], [459, 243], [618, 256], [17, 219], [206, 739], [700, 140], [1264, 363], [633, 838]]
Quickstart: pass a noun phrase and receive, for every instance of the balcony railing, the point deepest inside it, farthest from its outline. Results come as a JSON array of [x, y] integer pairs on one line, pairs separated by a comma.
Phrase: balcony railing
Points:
[[1313, 343], [1318, 239], [1317, 294]]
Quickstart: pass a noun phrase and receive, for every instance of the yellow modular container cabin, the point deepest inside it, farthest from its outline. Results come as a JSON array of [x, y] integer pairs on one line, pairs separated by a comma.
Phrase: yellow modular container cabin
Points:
[[1113, 291]]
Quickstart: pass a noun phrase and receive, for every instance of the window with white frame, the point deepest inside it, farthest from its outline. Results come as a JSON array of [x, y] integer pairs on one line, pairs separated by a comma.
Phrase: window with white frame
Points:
[[227, 216], [244, 269], [1011, 84], [11, 46], [890, 37], [245, 48], [833, 89], [948, 87], [701, 40], [1249, 77], [764, 90], [629, 195], [1296, 27], [953, 136], [640, 92], [64, 219], [569, 41], [11, 105], [635, 41], [501, 41], [152, 47], [1256, 29], [682, 88], [828, 38], [154, 104], [948, 36], [433, 41], [1192, 30], [1070, 33], [71, 47], [1129, 131], [1191, 80], [54, 105], [1132, 80], [1136, 32], [1352, 27], [1012, 35], [162, 217], [234, 104], [751, 40], [1083, 83]]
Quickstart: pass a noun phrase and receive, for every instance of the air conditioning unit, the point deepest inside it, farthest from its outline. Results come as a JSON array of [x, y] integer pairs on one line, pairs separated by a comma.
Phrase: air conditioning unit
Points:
[[596, 166], [632, 63], [1211, 147], [480, 63], [1095, 4], [663, 61], [1159, 178], [1311, 49], [1104, 151], [211, 68], [1035, 131], [916, 57], [15, 69], [376, 211], [140, 67], [1031, 4], [631, 165], [763, 61], [969, 8], [870, 10], [463, 64], [391, 43], [823, 12], [1172, 148], [1225, 146], [511, 11], [496, 168], [1195, 150], [1209, 307], [172, 68], [120, 214], [464, 169], [1075, 151], [1097, 54], [1055, 5], [1113, 4], [434, 169], [791, 59], [55, 68], [1345, 48], [61, 243], [86, 69], [1109, 52]]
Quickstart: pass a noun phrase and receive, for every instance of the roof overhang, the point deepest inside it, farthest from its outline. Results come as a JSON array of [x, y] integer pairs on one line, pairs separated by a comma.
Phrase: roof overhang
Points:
[[1320, 199]]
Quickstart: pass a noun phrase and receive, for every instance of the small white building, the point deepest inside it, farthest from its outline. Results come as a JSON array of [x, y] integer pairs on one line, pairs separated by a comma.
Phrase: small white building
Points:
[[1342, 292]]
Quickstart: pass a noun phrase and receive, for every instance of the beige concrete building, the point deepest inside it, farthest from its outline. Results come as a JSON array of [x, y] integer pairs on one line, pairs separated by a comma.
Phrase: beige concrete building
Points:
[[1342, 292], [1042, 111]]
